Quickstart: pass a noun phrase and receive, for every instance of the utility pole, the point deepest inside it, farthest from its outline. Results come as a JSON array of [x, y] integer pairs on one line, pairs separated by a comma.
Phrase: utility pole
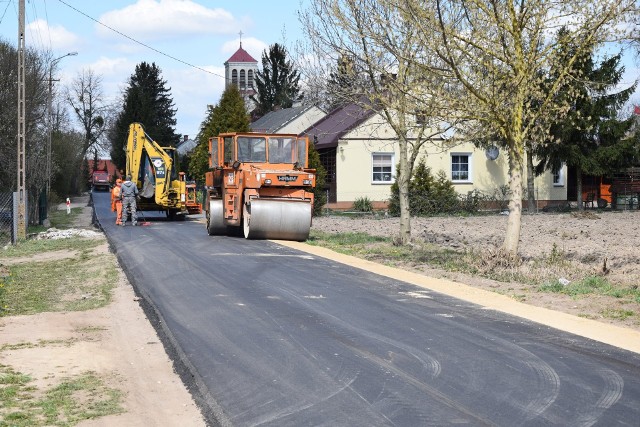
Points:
[[50, 122], [21, 187]]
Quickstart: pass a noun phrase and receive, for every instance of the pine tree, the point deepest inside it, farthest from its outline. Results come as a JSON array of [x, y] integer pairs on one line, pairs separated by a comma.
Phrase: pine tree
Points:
[[591, 139], [319, 193], [228, 116], [277, 84], [344, 83], [146, 100]]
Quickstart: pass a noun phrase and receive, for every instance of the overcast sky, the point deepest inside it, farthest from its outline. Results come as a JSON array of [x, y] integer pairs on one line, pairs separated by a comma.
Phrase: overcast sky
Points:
[[188, 39]]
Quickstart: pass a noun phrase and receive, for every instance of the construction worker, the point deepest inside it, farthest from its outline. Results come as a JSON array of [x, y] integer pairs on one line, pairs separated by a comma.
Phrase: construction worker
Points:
[[128, 194], [116, 201]]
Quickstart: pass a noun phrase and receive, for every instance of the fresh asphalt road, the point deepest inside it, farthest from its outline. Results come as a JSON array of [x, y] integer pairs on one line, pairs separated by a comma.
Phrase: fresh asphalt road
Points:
[[267, 335]]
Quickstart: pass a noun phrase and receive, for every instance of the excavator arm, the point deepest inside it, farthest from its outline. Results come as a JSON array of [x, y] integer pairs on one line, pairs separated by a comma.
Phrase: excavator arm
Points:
[[152, 168]]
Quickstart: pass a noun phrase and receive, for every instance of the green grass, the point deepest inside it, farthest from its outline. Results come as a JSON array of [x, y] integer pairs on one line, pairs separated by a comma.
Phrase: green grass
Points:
[[62, 285], [78, 282], [32, 247], [591, 285], [75, 399], [59, 219]]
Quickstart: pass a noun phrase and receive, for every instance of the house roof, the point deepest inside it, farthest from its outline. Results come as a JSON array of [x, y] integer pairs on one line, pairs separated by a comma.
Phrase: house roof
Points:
[[241, 55], [273, 121], [186, 146], [326, 132]]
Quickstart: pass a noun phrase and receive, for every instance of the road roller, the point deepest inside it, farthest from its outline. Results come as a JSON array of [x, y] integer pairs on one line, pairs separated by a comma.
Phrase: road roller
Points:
[[259, 185]]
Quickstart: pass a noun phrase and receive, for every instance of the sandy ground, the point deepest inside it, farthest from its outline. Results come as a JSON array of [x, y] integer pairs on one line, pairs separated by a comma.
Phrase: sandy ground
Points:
[[118, 341]]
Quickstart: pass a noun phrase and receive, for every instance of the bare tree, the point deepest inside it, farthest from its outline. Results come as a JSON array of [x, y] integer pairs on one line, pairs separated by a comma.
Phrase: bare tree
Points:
[[86, 99], [377, 51], [36, 79], [494, 55]]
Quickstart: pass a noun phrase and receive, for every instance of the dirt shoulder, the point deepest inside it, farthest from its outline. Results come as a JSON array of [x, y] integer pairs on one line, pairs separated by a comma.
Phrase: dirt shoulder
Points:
[[116, 342]]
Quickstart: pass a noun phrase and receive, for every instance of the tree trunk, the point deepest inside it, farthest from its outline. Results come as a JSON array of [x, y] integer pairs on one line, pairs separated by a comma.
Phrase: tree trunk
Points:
[[516, 167], [531, 187], [579, 188], [404, 176]]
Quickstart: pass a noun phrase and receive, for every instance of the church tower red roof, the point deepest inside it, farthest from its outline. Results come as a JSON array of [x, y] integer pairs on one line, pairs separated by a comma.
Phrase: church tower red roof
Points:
[[241, 55]]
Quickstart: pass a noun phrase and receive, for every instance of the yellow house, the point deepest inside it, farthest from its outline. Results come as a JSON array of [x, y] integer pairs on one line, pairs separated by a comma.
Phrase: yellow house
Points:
[[360, 152]]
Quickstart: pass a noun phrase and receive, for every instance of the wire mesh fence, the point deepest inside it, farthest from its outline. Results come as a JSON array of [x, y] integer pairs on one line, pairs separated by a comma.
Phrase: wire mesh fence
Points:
[[6, 218]]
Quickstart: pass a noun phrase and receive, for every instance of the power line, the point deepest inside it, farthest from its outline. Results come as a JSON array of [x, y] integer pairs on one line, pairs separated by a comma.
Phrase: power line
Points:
[[5, 11], [140, 43]]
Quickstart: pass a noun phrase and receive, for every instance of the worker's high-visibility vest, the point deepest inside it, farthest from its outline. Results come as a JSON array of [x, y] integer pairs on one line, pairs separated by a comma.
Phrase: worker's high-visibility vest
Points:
[[115, 194]]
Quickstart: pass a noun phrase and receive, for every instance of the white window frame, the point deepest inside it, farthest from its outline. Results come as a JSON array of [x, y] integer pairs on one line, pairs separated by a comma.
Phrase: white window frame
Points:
[[557, 178], [469, 168], [392, 165]]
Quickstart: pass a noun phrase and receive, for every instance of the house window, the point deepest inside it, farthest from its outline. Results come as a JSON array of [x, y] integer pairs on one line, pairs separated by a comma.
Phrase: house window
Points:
[[460, 167], [558, 177], [234, 77], [243, 83], [382, 168]]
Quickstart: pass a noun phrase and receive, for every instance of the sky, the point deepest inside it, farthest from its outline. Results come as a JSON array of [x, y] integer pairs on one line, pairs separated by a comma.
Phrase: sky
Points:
[[189, 40]]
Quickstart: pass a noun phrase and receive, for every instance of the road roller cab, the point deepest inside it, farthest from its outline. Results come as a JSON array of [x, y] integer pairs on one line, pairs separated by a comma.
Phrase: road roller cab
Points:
[[262, 183]]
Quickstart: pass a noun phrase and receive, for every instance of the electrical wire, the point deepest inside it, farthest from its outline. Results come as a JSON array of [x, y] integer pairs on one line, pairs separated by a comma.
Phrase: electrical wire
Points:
[[5, 11], [34, 30], [139, 42], [46, 14]]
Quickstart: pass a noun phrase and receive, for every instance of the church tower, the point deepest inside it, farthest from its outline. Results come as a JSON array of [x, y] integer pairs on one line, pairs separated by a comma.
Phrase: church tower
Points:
[[240, 70]]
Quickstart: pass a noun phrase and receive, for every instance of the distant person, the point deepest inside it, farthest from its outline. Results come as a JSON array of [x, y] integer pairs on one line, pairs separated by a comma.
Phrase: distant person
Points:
[[68, 206], [116, 201], [128, 194]]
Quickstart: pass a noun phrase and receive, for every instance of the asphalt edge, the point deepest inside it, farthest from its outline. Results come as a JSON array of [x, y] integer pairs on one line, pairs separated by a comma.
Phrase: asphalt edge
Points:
[[211, 411], [617, 336]]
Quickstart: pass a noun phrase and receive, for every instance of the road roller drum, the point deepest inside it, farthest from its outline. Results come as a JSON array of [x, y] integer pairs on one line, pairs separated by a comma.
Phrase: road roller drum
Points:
[[277, 219]]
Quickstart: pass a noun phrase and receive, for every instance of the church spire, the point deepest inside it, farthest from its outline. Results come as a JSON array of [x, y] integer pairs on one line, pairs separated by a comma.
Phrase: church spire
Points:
[[240, 39]]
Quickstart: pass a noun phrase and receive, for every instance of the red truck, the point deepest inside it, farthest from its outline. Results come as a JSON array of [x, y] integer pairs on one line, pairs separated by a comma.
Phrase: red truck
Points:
[[100, 180]]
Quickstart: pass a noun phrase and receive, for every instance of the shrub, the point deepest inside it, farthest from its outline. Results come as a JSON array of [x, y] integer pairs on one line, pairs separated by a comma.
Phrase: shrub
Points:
[[428, 195], [362, 204], [319, 192]]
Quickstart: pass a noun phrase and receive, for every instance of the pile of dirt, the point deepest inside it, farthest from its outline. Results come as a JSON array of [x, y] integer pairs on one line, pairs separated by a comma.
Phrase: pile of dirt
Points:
[[53, 234]]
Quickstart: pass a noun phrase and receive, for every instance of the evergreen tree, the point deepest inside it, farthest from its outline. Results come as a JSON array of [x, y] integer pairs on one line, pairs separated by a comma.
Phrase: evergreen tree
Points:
[[278, 83], [228, 116], [428, 194], [146, 100], [591, 138], [344, 83], [319, 194]]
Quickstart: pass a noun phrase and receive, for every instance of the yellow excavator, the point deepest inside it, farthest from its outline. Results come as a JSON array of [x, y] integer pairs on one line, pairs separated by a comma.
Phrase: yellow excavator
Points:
[[260, 182], [154, 170]]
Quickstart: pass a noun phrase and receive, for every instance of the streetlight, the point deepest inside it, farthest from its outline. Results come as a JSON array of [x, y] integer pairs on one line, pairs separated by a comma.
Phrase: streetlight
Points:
[[50, 124]]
